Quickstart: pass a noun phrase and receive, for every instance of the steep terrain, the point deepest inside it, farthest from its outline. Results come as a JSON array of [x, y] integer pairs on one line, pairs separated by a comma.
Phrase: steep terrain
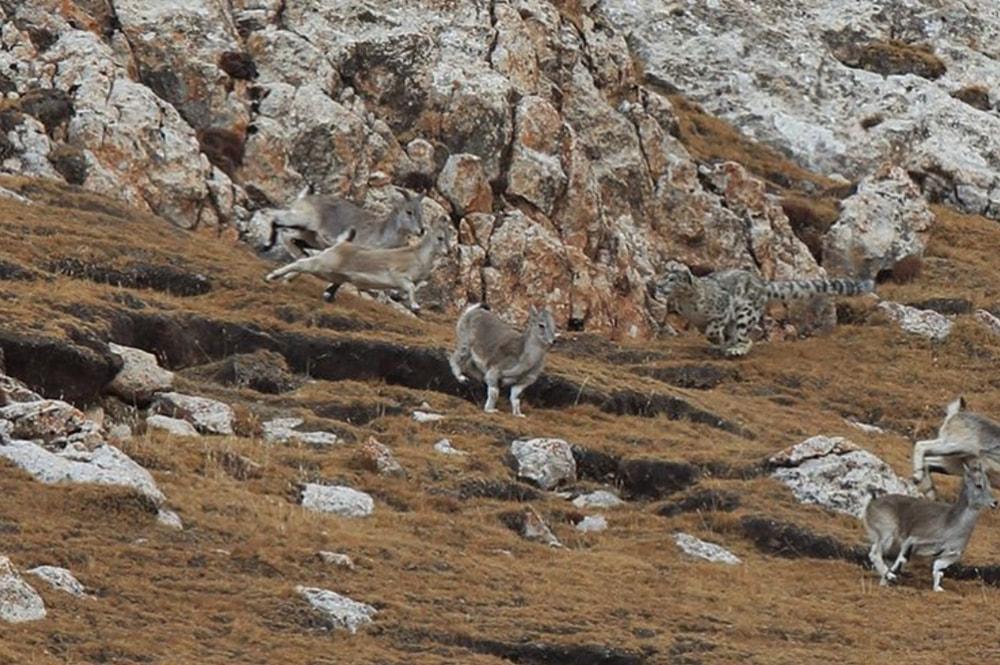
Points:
[[450, 579], [570, 148]]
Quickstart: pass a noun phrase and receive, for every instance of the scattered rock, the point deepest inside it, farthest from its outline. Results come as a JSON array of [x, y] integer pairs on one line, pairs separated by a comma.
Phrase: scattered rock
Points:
[[547, 462], [104, 465], [140, 376], [533, 527], [53, 423], [592, 524], [886, 220], [169, 519], [60, 578], [209, 416], [340, 611], [282, 431], [946, 306], [925, 323], [836, 473], [991, 322], [704, 550], [16, 391], [598, 499], [864, 427], [337, 499], [174, 426], [336, 559], [425, 417], [18, 601], [445, 448], [376, 456], [654, 479]]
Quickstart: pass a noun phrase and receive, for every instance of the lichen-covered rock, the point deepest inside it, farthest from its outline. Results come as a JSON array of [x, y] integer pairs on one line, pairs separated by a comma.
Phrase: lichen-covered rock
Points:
[[989, 321], [18, 601], [592, 524], [174, 426], [445, 447], [923, 322], [376, 456], [463, 182], [546, 462], [340, 611], [60, 578], [533, 527], [337, 559], [704, 550], [140, 376], [282, 431], [51, 422], [337, 499], [836, 473], [536, 172], [104, 465], [598, 499], [886, 220], [209, 416]]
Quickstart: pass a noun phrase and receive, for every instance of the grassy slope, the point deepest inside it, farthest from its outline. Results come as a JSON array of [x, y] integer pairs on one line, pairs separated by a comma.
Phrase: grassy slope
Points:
[[437, 566]]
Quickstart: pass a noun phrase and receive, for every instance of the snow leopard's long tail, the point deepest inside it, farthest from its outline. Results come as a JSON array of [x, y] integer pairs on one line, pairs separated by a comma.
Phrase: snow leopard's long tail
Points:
[[806, 288]]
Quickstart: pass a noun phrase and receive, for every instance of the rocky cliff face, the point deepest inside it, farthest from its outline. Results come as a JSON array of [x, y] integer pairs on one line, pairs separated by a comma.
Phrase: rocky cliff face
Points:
[[527, 124], [842, 86], [550, 150]]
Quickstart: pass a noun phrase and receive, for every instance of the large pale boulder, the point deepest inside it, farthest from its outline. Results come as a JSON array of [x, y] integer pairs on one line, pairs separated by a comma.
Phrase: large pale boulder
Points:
[[59, 578], [702, 549], [18, 601], [52, 423], [836, 473], [283, 431], [887, 219], [104, 465], [140, 376], [546, 462], [209, 416], [924, 322], [339, 610], [174, 426], [337, 499]]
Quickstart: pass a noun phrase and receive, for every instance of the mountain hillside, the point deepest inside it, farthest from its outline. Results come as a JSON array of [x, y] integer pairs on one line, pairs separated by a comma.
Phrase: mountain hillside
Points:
[[282, 480]]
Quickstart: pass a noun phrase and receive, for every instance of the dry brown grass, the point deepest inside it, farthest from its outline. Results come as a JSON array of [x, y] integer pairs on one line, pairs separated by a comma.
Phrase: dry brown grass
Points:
[[977, 96], [894, 57], [439, 567]]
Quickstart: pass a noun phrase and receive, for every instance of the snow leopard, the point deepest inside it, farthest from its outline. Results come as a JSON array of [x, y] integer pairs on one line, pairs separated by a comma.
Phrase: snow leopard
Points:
[[726, 305]]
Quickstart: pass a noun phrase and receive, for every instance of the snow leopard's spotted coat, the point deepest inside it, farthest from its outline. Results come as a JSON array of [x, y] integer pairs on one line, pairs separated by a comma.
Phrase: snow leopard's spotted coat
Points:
[[726, 305]]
